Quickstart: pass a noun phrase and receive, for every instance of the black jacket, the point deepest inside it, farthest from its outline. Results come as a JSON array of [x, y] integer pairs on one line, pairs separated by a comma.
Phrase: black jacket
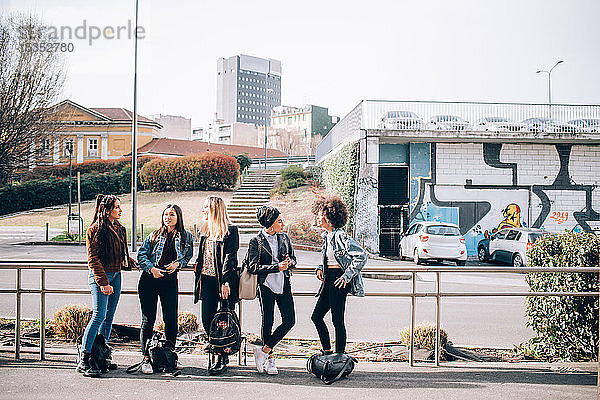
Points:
[[265, 265], [226, 264]]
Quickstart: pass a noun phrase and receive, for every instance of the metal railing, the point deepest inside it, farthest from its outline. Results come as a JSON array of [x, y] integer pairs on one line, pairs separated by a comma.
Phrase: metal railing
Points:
[[438, 294]]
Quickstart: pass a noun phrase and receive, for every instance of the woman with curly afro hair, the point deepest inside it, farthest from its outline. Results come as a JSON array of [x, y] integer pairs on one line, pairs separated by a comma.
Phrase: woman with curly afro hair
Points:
[[339, 272]]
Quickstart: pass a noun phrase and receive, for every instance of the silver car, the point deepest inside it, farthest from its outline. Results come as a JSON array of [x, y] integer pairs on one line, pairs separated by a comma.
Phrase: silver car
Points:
[[448, 123], [509, 245], [498, 124], [430, 240], [548, 125], [586, 124], [405, 120]]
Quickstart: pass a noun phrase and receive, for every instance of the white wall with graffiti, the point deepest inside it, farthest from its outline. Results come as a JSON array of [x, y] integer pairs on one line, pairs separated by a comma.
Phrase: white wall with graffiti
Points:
[[487, 186]]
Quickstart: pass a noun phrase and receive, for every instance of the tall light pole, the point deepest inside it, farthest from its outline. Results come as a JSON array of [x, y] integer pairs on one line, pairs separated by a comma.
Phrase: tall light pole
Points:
[[134, 140], [549, 72], [267, 91]]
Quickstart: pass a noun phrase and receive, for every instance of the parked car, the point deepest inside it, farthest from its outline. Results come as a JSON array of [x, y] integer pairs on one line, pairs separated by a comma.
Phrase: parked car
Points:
[[586, 124], [509, 245], [548, 125], [498, 124], [448, 123], [405, 120], [429, 240]]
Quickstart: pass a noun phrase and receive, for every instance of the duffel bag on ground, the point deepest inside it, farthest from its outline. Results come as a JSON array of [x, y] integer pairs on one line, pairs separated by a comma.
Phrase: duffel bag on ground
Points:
[[331, 367]]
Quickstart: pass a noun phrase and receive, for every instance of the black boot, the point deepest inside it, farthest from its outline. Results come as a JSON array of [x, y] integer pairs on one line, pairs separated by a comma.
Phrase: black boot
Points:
[[219, 367], [86, 367]]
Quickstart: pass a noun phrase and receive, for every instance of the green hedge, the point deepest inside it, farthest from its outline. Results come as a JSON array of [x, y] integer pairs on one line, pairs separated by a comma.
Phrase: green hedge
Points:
[[54, 191], [196, 172], [566, 327], [244, 161], [338, 175]]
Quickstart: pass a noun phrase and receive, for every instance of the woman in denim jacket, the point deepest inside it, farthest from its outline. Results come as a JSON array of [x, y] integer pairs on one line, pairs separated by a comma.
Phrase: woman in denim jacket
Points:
[[339, 272], [164, 252]]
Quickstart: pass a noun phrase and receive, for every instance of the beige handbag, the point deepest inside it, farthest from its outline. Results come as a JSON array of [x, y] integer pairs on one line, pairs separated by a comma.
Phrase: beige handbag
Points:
[[248, 281]]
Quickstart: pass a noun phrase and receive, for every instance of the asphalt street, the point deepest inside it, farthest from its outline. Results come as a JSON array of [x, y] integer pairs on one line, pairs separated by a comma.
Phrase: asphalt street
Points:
[[486, 322]]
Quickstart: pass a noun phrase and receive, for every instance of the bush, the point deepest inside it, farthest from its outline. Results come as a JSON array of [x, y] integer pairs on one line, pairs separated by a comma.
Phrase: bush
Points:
[[566, 327], [291, 177], [187, 322], [292, 172], [70, 321], [302, 232], [54, 191], [244, 161], [86, 167], [196, 172], [424, 336]]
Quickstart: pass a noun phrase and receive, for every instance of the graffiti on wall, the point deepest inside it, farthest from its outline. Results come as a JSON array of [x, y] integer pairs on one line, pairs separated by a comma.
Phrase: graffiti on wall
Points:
[[482, 208]]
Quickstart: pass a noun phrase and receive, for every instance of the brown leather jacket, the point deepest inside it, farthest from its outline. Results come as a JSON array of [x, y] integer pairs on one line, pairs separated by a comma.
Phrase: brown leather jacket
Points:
[[111, 258]]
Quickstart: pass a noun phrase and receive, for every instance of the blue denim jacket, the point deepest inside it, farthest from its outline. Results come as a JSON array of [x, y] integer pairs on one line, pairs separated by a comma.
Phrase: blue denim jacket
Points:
[[350, 256], [149, 255]]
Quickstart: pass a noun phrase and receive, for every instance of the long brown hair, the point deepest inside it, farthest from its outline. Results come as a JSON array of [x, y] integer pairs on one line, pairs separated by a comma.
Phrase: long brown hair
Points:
[[178, 226], [104, 206], [217, 225]]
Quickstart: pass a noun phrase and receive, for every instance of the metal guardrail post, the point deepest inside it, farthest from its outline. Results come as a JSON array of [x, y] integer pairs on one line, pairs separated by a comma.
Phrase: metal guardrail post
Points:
[[437, 319], [18, 317], [411, 341], [240, 321], [42, 314]]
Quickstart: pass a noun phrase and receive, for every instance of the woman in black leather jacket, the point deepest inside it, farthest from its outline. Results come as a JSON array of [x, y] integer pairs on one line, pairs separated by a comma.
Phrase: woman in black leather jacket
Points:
[[216, 271], [271, 256]]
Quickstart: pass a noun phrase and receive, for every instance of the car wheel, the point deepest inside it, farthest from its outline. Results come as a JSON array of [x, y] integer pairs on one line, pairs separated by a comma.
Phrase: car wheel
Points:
[[461, 263], [482, 254], [517, 261], [416, 258]]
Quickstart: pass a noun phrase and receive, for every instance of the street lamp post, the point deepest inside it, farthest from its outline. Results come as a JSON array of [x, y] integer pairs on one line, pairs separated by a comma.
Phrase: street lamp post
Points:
[[549, 72], [134, 124], [267, 91]]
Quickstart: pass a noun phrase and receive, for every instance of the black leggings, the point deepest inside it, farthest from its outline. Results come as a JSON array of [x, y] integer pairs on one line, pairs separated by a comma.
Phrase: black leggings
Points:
[[149, 290], [210, 299], [285, 302], [333, 299]]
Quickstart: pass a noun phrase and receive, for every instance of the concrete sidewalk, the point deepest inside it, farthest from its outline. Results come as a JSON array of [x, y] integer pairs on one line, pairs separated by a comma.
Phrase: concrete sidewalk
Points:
[[57, 379]]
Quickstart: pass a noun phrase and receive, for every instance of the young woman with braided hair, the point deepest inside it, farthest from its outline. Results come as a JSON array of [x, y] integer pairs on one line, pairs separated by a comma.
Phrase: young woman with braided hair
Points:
[[106, 243]]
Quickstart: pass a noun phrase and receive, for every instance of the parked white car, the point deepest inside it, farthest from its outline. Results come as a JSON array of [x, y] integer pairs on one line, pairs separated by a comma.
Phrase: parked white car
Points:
[[586, 124], [404, 120], [448, 123], [430, 240], [509, 245], [498, 124]]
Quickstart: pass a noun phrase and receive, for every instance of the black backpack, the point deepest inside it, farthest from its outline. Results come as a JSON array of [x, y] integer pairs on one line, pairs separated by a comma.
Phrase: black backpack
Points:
[[162, 356], [224, 336], [331, 367], [101, 355]]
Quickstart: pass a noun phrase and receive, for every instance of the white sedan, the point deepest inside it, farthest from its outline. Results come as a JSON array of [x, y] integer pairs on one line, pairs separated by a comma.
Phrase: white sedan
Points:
[[430, 240]]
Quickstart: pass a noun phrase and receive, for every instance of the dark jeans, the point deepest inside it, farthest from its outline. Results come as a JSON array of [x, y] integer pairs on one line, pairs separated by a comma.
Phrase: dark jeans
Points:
[[285, 302], [210, 299], [333, 299], [150, 289]]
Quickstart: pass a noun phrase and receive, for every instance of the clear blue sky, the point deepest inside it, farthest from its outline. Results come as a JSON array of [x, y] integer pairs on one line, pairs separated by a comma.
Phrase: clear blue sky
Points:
[[333, 53]]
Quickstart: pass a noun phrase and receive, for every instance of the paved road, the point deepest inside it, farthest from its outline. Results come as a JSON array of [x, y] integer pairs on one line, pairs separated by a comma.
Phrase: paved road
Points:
[[19, 234], [488, 322], [57, 379]]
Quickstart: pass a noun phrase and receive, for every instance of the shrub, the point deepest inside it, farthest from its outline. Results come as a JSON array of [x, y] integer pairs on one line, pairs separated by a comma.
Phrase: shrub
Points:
[[566, 327], [86, 167], [424, 336], [187, 322], [196, 172], [292, 172], [244, 161], [70, 321], [302, 232]]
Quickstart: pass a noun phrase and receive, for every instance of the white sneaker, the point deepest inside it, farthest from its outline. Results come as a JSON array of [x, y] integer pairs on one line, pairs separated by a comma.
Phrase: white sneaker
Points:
[[147, 367], [260, 359], [270, 367]]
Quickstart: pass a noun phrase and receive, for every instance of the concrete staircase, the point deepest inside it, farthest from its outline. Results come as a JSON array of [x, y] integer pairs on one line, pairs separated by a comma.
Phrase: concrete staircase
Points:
[[252, 193]]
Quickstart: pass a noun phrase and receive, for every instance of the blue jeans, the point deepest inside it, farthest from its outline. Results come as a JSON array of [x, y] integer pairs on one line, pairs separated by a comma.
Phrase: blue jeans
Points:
[[104, 307]]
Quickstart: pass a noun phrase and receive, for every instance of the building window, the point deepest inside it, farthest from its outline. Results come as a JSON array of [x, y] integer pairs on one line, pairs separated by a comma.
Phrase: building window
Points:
[[45, 148], [67, 147], [93, 147]]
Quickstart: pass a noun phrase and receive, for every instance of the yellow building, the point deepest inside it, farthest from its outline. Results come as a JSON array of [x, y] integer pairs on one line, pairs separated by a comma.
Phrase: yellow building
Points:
[[94, 133]]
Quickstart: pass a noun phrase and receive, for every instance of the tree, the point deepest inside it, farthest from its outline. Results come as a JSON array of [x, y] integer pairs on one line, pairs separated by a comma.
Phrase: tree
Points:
[[31, 79]]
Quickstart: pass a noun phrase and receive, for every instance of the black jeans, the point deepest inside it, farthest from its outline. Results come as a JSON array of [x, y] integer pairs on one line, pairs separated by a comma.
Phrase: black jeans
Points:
[[210, 299], [333, 299], [149, 290], [285, 302]]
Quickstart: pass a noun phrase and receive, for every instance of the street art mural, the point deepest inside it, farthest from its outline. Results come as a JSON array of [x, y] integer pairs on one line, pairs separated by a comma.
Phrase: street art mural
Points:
[[490, 186]]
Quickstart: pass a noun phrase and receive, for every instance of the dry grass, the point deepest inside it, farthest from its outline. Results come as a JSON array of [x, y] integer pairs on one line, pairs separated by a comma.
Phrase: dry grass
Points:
[[149, 206], [295, 206]]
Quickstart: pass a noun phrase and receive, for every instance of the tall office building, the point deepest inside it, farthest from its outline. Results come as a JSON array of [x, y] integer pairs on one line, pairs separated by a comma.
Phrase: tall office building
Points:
[[247, 89]]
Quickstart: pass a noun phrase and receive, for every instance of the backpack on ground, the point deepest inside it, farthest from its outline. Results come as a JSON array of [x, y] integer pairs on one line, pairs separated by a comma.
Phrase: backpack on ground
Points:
[[163, 357], [331, 367], [101, 354], [224, 336]]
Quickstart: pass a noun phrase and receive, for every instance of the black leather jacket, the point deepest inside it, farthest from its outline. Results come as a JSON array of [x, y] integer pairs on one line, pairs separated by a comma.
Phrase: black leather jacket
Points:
[[226, 264], [265, 265]]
